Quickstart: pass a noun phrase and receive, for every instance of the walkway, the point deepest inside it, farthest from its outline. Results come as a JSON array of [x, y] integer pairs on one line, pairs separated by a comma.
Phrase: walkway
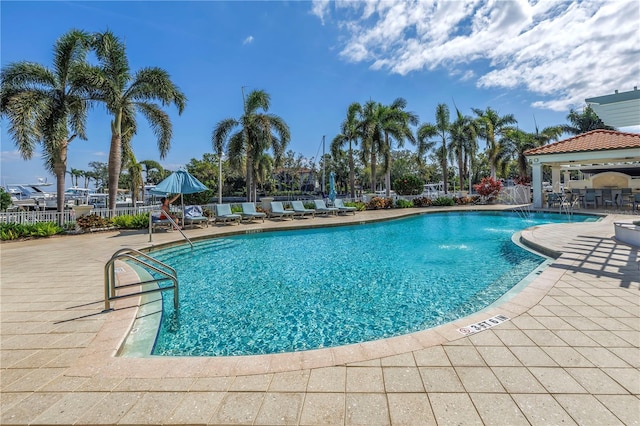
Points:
[[569, 354]]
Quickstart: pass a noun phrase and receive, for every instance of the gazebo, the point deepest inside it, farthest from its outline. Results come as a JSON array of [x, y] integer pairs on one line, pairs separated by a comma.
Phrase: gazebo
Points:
[[604, 158]]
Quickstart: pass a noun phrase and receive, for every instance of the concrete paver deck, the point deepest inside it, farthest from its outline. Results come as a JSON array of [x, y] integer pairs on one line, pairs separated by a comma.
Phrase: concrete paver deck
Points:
[[570, 353]]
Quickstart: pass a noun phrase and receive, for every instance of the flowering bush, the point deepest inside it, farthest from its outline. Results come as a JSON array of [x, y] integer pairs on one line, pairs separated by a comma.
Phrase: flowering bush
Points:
[[421, 202], [488, 187], [380, 203], [525, 180], [408, 185]]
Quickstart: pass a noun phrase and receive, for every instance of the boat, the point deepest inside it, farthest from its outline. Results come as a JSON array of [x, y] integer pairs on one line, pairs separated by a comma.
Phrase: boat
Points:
[[31, 196]]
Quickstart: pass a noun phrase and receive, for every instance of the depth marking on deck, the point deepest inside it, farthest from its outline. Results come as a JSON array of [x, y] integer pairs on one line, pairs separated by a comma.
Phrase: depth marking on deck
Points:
[[483, 325]]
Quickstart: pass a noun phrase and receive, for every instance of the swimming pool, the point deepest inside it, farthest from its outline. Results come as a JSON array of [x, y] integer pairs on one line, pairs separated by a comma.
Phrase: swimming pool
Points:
[[297, 290]]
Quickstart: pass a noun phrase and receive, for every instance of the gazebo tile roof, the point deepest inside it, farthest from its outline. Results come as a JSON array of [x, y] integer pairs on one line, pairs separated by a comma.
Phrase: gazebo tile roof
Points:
[[595, 140]]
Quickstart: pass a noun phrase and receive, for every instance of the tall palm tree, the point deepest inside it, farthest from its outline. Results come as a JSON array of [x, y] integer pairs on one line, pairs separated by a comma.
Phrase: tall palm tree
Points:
[[124, 95], [255, 132], [395, 126], [462, 145], [584, 122], [48, 106], [350, 132], [440, 129], [491, 128]]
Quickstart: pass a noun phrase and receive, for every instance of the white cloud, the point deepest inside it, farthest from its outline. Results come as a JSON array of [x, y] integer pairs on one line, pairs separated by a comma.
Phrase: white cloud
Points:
[[248, 40], [562, 51]]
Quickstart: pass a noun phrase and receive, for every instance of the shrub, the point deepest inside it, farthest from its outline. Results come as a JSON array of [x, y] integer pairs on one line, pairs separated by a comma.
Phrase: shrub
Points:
[[422, 202], [5, 199], [359, 205], [443, 201], [128, 221], [466, 200], [488, 187], [408, 185], [14, 231], [403, 204], [92, 221], [377, 203]]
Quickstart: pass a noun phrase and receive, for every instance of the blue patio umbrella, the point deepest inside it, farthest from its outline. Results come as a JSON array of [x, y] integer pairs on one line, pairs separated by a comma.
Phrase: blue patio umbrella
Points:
[[332, 186], [179, 182]]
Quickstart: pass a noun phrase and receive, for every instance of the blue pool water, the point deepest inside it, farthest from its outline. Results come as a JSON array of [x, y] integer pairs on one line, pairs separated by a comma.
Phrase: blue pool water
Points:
[[312, 288]]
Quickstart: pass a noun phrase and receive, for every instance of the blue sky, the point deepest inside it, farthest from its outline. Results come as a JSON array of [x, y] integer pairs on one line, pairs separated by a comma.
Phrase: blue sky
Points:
[[535, 60]]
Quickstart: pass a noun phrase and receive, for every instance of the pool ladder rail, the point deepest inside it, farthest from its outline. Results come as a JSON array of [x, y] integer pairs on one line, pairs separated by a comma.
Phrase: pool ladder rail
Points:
[[166, 272]]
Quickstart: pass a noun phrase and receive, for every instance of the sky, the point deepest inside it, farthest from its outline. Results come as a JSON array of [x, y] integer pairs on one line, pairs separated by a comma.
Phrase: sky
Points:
[[533, 59]]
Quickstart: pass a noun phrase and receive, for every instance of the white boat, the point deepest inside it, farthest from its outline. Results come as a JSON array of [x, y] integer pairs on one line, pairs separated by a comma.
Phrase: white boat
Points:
[[31, 196]]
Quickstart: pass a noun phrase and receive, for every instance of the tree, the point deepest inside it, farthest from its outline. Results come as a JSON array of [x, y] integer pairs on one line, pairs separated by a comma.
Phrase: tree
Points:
[[124, 95], [462, 145], [518, 142], [75, 174], [350, 132], [584, 122], [395, 126], [255, 132], [148, 166], [48, 106], [491, 127], [441, 129]]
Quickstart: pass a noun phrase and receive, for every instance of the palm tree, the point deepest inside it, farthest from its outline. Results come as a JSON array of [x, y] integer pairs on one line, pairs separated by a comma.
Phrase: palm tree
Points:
[[256, 132], [395, 126], [48, 106], [135, 174], [350, 131], [124, 95], [441, 129], [491, 127], [372, 137], [149, 165], [584, 122], [75, 174], [517, 142], [463, 144]]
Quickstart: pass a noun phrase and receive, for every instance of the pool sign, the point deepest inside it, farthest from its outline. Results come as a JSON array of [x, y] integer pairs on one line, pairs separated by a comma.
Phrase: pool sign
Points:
[[483, 325]]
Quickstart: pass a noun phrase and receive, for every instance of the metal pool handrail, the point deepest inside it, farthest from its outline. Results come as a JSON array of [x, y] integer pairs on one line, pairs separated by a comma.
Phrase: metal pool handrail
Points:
[[151, 263]]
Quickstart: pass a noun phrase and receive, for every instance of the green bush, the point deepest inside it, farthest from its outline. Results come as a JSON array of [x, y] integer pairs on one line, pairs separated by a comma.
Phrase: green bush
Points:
[[408, 185], [128, 221], [5, 199], [359, 205], [403, 204], [443, 201], [14, 231]]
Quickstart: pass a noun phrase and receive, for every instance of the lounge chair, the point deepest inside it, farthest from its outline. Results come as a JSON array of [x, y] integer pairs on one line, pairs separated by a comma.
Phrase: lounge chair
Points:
[[321, 208], [193, 215], [156, 222], [249, 212], [590, 198], [344, 209], [277, 210], [299, 208], [224, 214]]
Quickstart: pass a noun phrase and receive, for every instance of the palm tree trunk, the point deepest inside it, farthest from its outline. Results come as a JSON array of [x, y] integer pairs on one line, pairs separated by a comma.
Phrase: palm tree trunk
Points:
[[60, 169], [352, 178], [373, 171], [115, 159]]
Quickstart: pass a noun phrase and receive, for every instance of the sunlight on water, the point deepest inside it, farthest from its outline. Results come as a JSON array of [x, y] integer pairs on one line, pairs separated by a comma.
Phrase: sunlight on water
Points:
[[312, 288]]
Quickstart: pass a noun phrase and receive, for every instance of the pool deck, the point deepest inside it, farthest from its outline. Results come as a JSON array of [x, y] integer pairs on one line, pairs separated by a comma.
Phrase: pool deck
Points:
[[569, 354]]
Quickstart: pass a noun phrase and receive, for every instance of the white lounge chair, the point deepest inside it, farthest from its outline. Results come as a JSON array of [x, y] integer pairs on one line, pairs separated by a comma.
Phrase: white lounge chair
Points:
[[344, 209], [321, 208], [299, 208], [277, 210], [193, 215], [224, 214], [249, 212]]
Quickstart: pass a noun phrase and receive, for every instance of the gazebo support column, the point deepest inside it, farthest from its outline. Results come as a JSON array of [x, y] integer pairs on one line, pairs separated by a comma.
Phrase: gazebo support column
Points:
[[536, 181], [555, 178]]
